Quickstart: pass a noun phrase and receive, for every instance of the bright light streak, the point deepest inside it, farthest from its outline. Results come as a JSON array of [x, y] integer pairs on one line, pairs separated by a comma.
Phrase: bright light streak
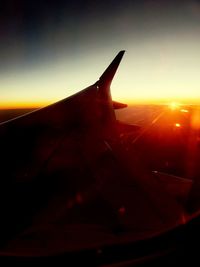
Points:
[[177, 125], [184, 110]]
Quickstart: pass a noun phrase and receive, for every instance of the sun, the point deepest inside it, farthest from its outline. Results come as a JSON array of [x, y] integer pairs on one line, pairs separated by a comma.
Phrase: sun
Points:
[[174, 105]]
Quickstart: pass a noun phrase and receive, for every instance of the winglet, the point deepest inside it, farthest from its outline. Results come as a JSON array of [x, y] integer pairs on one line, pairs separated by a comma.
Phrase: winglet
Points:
[[109, 73]]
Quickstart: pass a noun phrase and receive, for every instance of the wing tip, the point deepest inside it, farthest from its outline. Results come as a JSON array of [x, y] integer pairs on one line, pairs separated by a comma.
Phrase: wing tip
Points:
[[109, 73]]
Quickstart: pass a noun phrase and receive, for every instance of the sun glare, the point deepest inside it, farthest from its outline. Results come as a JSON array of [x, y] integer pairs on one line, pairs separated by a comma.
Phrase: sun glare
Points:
[[174, 105]]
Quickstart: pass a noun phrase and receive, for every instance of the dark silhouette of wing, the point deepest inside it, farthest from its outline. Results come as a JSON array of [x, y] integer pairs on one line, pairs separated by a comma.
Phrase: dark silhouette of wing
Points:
[[64, 165]]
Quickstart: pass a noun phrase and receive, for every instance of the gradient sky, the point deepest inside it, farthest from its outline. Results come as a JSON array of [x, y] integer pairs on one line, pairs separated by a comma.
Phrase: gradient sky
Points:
[[52, 49]]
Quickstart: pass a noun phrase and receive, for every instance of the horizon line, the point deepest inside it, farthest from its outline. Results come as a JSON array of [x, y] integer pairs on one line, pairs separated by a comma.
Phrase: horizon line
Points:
[[41, 104]]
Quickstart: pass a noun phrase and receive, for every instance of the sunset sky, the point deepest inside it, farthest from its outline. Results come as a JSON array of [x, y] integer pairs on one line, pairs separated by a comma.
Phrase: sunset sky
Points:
[[52, 49]]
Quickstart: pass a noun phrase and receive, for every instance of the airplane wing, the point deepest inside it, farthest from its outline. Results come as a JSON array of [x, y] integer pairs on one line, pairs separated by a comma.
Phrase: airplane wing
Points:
[[39, 131], [64, 165]]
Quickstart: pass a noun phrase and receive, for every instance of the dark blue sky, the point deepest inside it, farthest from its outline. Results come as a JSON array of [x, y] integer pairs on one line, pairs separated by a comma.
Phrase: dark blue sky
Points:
[[31, 29]]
